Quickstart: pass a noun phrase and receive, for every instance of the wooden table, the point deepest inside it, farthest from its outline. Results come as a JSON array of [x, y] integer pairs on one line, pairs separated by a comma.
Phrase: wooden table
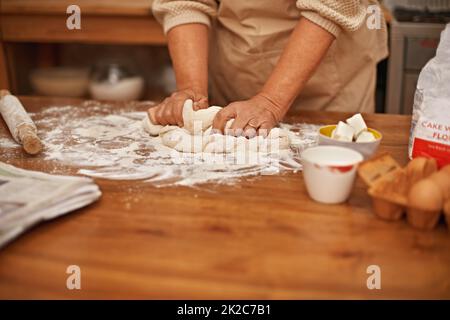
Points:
[[262, 238]]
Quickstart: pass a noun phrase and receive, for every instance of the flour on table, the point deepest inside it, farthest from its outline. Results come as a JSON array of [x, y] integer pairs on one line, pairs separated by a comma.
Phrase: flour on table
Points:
[[8, 143], [109, 142]]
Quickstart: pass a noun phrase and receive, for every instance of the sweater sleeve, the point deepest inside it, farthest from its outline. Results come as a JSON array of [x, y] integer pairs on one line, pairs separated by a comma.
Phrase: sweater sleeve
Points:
[[334, 15], [172, 13]]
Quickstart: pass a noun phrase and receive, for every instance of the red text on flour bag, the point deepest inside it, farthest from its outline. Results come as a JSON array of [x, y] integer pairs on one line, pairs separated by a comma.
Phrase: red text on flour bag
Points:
[[430, 129]]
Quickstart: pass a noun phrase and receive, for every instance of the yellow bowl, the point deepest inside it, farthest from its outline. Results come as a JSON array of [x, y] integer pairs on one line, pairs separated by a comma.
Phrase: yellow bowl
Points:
[[367, 149]]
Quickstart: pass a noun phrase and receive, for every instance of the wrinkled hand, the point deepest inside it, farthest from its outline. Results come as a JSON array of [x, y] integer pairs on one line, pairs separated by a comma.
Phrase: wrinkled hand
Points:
[[254, 116], [170, 110]]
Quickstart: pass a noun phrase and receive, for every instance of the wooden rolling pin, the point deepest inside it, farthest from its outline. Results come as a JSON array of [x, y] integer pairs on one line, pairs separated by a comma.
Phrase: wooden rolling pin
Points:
[[20, 125]]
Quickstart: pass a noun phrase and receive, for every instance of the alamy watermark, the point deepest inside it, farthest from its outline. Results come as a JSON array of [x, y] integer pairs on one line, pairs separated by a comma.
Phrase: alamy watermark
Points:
[[374, 17], [73, 281], [374, 280], [73, 22]]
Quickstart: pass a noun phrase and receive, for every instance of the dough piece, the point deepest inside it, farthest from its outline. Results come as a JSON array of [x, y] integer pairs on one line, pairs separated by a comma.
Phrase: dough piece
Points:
[[357, 123], [195, 136], [283, 143], [254, 143], [174, 137], [155, 129], [344, 132], [278, 139], [366, 136], [228, 126], [152, 129], [182, 141], [198, 121], [194, 122], [276, 133], [219, 143]]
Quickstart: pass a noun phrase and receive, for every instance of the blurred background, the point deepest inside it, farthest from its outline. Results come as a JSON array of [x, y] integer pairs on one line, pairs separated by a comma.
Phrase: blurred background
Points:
[[120, 53]]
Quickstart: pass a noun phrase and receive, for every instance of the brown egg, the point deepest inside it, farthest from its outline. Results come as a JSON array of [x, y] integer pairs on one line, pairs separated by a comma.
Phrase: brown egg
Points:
[[420, 168], [425, 203], [425, 195], [446, 168], [442, 180]]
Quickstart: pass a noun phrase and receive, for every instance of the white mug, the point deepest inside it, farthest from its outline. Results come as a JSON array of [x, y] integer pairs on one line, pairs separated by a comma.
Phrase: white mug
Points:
[[329, 172]]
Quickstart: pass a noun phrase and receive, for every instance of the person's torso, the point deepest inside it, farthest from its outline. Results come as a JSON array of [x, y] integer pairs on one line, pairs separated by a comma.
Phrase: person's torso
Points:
[[247, 42]]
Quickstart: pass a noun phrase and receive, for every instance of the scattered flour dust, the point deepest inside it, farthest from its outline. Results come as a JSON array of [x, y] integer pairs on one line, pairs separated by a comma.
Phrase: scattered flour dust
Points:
[[106, 141], [8, 143]]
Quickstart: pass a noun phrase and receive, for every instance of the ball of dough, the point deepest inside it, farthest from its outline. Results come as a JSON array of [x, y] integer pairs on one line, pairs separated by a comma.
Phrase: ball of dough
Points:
[[152, 129], [194, 122], [195, 136], [198, 121], [155, 129], [174, 137], [218, 143], [181, 140]]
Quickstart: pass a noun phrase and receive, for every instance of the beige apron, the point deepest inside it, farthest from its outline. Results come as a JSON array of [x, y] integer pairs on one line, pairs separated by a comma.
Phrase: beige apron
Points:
[[248, 39]]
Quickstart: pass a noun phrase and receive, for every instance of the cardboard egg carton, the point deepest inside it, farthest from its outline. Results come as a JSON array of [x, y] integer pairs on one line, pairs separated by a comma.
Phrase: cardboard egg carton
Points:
[[390, 187], [372, 170]]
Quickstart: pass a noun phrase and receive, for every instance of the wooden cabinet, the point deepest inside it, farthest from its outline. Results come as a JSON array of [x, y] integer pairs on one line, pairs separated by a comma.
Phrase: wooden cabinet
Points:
[[44, 22]]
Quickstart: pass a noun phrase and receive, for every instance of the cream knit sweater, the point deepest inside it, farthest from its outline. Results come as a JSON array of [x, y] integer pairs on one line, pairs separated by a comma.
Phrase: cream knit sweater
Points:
[[332, 15]]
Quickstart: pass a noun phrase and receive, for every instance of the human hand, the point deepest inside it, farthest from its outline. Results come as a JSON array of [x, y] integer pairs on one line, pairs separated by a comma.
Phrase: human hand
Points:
[[170, 110], [254, 116]]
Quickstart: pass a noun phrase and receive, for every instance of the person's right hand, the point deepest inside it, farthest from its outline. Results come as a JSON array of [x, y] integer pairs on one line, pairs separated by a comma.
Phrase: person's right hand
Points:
[[170, 110]]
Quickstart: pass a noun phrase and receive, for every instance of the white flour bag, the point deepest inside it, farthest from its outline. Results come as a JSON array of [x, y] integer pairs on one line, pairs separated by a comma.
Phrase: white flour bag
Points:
[[430, 128]]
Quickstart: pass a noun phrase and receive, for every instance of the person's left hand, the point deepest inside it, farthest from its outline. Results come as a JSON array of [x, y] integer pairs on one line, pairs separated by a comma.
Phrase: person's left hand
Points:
[[254, 116]]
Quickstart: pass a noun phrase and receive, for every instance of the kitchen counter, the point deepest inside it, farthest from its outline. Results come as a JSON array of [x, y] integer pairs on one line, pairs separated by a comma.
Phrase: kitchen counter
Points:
[[260, 238]]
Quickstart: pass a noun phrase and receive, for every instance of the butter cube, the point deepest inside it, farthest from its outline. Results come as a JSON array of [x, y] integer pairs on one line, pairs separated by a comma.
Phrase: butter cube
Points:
[[366, 136], [357, 123], [344, 132]]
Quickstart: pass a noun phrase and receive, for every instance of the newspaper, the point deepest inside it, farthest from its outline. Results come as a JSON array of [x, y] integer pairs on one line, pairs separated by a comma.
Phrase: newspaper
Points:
[[29, 197]]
